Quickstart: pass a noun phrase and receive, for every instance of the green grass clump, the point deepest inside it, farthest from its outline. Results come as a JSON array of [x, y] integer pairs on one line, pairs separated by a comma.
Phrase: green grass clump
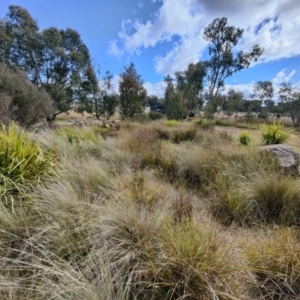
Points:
[[23, 163], [273, 199], [186, 133], [275, 133], [77, 135], [244, 138], [268, 199], [205, 124], [275, 262], [195, 266], [171, 122]]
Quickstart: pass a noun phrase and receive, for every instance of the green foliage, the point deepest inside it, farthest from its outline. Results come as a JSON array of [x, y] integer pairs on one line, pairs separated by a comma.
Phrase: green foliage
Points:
[[171, 122], [222, 64], [23, 164], [78, 135], [153, 115], [133, 96], [290, 102], [22, 101], [244, 138], [205, 124], [190, 83], [175, 106], [57, 61], [275, 133], [105, 99], [232, 102]]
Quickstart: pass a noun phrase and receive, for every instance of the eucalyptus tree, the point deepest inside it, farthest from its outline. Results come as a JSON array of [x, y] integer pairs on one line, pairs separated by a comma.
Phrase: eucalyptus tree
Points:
[[290, 101], [224, 61], [233, 102], [263, 93], [109, 99], [175, 103], [57, 61], [190, 83]]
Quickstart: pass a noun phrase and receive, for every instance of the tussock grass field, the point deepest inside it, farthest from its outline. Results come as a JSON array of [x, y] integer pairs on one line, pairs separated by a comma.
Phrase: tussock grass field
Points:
[[176, 210]]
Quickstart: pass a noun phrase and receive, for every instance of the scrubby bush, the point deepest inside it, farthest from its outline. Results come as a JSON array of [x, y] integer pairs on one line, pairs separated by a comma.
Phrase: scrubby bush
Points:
[[275, 133], [244, 138], [153, 115], [24, 102], [5, 106]]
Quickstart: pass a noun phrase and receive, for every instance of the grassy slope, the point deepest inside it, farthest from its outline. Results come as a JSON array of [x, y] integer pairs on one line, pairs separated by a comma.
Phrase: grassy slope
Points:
[[154, 212]]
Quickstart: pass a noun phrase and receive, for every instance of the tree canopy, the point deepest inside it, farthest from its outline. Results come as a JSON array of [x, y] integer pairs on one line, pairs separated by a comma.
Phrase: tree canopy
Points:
[[133, 95], [224, 62], [57, 61]]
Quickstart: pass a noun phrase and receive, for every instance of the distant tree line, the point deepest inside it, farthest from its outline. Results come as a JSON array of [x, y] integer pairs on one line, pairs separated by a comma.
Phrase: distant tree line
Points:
[[46, 72]]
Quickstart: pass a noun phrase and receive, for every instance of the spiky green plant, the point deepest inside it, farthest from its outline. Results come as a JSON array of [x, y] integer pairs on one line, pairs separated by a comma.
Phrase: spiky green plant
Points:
[[171, 122], [244, 138], [275, 133], [23, 163]]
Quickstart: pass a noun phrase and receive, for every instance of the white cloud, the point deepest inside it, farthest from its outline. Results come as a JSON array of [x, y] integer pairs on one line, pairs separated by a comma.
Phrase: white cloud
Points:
[[246, 89], [113, 49], [282, 76], [274, 25], [157, 89]]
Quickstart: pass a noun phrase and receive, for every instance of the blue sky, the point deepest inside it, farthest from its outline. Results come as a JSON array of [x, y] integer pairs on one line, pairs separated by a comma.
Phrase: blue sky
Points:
[[164, 36]]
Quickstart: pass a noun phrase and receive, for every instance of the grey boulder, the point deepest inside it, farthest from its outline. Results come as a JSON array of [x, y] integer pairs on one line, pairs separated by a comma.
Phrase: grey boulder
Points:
[[287, 157]]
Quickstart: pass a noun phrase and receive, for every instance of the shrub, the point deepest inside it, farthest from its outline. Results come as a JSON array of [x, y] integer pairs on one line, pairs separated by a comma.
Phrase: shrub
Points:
[[28, 104], [171, 122], [5, 106], [244, 138], [275, 133], [153, 115], [23, 163], [275, 262]]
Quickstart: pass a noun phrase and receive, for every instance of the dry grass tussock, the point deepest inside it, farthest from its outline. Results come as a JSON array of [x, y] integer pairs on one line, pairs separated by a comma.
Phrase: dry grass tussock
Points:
[[125, 219]]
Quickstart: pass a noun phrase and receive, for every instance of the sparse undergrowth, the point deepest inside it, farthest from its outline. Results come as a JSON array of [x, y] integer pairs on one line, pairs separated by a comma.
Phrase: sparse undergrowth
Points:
[[137, 216]]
